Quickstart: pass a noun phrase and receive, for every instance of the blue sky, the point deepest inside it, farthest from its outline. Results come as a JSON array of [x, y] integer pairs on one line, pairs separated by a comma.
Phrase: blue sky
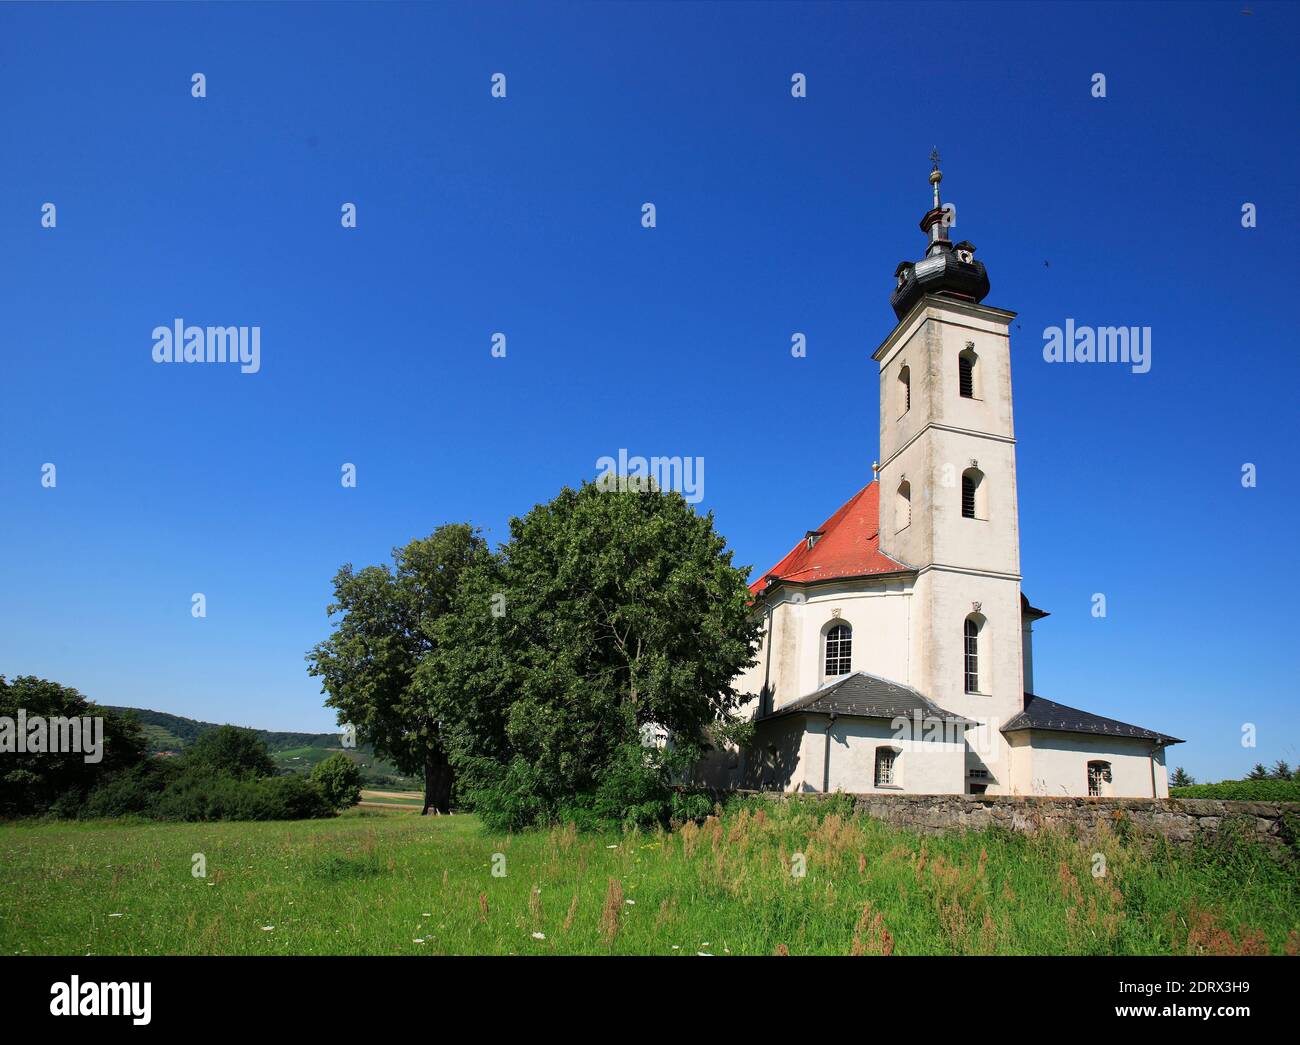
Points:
[[775, 215]]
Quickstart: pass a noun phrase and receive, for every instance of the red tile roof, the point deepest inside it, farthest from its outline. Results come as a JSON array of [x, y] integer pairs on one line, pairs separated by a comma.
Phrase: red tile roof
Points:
[[849, 547]]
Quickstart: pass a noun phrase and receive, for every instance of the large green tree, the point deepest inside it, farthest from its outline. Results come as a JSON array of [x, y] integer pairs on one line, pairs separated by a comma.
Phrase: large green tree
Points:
[[384, 628], [34, 783], [606, 615]]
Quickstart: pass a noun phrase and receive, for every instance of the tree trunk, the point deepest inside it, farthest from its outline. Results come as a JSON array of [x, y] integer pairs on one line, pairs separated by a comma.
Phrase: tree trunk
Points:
[[437, 783]]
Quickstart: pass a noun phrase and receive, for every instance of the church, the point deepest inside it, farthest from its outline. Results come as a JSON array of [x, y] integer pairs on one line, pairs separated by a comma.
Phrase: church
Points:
[[897, 653]]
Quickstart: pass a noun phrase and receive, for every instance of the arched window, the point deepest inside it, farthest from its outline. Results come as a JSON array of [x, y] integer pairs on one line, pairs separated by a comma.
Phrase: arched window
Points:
[[971, 641], [904, 390], [967, 366], [903, 506], [886, 767], [973, 495], [1098, 778], [839, 650]]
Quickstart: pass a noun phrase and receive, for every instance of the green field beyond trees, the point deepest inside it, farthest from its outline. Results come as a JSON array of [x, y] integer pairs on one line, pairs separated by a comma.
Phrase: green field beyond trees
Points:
[[291, 752], [377, 883]]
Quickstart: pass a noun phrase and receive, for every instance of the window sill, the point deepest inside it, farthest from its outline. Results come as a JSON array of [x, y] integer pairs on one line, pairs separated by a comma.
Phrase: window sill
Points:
[[889, 787]]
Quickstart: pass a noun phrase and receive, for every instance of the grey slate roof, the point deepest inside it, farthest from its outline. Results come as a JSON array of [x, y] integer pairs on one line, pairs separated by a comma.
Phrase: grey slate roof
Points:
[[867, 696], [1041, 713]]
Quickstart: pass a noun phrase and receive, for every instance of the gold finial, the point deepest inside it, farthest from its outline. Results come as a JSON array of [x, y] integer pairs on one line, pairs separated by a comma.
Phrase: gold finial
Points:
[[936, 175]]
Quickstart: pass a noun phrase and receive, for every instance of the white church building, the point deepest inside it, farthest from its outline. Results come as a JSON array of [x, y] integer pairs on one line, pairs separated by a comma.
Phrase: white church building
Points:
[[898, 646]]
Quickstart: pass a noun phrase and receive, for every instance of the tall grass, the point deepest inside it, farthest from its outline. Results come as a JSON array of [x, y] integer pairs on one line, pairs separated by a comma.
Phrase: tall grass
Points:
[[374, 884]]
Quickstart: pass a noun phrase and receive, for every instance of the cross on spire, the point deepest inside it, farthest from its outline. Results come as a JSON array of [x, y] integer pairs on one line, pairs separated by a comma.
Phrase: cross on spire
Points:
[[936, 175]]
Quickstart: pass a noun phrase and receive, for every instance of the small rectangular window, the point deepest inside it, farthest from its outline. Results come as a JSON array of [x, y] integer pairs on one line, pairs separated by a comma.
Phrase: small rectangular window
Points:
[[885, 767]]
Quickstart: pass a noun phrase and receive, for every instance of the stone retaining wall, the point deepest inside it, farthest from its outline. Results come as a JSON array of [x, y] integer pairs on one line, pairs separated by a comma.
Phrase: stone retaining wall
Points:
[[1180, 820]]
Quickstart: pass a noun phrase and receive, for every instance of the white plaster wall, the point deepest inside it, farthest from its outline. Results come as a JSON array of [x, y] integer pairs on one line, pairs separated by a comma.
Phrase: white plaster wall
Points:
[[1058, 765], [793, 757], [931, 767], [877, 611], [878, 615]]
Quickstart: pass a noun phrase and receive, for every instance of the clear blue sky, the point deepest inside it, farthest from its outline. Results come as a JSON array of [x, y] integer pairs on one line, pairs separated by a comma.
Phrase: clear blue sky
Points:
[[775, 215]]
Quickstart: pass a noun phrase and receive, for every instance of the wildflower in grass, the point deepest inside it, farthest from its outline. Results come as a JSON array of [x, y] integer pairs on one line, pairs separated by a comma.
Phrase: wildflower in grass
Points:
[[267, 928], [539, 936], [417, 940], [482, 907]]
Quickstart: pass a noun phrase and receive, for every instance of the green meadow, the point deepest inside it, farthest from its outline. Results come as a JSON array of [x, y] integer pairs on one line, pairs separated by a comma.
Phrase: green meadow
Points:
[[380, 882]]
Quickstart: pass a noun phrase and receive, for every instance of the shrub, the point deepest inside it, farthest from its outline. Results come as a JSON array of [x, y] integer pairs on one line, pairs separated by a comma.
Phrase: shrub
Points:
[[636, 791], [132, 793], [339, 780], [199, 795], [1266, 790], [512, 801]]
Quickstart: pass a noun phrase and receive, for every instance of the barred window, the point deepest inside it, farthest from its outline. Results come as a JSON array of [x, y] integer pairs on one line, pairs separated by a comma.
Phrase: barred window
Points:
[[1098, 774], [885, 757], [839, 650], [972, 640]]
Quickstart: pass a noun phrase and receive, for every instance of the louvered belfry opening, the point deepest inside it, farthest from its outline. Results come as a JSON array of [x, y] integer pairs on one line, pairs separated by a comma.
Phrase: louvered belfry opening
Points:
[[966, 374], [968, 485]]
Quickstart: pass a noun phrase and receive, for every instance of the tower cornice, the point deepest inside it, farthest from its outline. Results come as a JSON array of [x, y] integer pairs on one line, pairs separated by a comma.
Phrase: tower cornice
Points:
[[950, 306]]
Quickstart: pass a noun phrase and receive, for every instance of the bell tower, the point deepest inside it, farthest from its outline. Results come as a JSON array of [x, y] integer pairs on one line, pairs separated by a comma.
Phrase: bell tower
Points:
[[948, 486]]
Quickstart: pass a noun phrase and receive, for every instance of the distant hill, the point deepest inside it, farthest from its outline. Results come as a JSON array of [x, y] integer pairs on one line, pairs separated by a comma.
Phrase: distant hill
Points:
[[296, 752]]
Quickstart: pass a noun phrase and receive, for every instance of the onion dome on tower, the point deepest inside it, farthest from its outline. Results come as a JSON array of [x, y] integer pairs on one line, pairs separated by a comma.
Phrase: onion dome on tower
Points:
[[948, 270]]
